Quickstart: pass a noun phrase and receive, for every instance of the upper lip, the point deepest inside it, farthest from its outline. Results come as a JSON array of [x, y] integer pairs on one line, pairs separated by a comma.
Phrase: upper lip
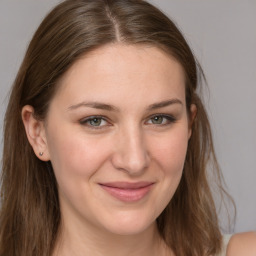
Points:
[[127, 185]]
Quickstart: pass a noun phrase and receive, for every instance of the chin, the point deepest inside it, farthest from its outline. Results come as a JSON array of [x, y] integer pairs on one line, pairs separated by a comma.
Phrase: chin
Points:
[[130, 225]]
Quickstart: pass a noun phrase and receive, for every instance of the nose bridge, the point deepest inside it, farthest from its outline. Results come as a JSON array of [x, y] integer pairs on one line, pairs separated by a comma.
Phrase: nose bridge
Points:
[[131, 152]]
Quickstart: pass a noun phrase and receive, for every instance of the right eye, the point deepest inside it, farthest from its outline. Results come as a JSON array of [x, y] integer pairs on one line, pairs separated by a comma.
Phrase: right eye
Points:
[[94, 122]]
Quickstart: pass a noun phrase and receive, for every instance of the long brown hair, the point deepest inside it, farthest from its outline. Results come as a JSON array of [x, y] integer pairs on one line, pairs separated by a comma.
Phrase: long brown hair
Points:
[[30, 214]]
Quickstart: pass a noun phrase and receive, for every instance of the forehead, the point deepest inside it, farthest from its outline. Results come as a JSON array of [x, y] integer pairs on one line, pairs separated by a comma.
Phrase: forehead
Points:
[[119, 71]]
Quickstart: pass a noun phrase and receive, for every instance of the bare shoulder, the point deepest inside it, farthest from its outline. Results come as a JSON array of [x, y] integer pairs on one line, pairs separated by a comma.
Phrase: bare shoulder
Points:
[[242, 244]]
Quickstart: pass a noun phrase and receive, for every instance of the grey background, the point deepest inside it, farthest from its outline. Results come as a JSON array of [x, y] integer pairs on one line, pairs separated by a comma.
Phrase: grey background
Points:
[[222, 34]]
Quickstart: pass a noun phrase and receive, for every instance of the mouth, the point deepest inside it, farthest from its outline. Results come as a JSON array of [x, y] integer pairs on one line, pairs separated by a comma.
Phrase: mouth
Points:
[[126, 191]]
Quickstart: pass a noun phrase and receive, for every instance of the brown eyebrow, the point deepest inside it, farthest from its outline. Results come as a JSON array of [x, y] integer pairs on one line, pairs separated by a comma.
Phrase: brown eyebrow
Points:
[[96, 105], [164, 104], [109, 107]]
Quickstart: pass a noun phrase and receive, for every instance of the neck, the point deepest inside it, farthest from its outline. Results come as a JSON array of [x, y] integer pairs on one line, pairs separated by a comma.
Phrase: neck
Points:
[[77, 242]]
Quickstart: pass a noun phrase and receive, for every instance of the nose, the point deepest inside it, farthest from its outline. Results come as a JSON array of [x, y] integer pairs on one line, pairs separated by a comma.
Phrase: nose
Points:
[[130, 152]]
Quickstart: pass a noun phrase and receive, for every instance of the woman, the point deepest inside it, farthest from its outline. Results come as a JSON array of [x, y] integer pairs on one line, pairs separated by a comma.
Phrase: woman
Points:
[[111, 139]]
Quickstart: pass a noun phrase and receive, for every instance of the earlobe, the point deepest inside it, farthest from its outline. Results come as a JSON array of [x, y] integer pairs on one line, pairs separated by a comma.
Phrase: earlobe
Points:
[[35, 132], [192, 116]]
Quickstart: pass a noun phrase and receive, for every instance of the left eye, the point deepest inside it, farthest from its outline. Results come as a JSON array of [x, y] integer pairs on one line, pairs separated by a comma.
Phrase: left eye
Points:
[[94, 121], [161, 119]]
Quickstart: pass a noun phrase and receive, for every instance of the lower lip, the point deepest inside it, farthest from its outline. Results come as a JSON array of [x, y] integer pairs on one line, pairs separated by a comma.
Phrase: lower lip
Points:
[[128, 195]]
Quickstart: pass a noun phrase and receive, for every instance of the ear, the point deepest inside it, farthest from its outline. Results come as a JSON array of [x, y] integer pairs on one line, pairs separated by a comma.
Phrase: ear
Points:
[[35, 131], [191, 118]]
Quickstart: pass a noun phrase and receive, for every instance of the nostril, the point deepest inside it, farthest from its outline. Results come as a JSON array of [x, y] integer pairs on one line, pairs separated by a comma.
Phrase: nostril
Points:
[[132, 163]]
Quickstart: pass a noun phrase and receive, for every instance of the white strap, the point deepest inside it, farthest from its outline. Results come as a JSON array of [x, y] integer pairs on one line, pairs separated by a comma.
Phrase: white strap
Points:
[[226, 239]]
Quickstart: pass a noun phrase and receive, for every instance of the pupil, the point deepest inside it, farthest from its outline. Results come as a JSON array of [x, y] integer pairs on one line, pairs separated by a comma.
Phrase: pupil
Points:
[[95, 121], [158, 119]]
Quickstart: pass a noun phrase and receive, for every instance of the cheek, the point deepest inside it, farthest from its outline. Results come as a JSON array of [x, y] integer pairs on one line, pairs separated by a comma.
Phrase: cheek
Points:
[[76, 160], [76, 155], [170, 152]]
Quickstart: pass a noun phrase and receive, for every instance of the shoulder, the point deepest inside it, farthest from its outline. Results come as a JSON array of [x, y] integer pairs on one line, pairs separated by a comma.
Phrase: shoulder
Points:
[[242, 244]]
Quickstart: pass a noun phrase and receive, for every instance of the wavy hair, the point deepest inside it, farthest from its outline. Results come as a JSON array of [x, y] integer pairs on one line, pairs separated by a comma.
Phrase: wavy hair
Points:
[[30, 214]]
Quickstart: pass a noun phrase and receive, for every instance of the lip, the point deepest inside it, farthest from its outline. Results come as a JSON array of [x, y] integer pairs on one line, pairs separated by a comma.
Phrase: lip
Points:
[[126, 191]]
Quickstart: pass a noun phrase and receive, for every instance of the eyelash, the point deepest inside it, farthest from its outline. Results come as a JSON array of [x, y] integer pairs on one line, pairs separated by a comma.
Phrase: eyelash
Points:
[[169, 120], [91, 118]]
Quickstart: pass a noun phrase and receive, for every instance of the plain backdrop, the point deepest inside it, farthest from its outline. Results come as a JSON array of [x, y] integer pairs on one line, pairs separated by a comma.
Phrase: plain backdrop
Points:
[[222, 35]]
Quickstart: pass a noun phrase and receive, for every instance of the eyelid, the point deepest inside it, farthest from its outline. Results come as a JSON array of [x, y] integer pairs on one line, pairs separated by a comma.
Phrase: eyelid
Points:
[[83, 121], [171, 119]]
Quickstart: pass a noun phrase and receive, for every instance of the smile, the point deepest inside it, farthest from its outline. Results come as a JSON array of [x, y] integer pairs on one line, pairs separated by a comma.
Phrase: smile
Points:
[[128, 192]]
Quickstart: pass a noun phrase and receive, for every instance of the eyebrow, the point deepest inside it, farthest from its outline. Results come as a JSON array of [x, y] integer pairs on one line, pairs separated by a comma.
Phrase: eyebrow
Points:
[[96, 105], [108, 107], [163, 104]]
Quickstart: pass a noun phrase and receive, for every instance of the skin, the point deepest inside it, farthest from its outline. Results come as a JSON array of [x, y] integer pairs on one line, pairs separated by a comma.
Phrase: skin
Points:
[[127, 146], [242, 244], [143, 136]]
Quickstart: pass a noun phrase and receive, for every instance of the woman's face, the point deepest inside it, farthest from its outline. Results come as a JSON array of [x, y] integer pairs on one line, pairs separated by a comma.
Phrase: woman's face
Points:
[[117, 133]]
